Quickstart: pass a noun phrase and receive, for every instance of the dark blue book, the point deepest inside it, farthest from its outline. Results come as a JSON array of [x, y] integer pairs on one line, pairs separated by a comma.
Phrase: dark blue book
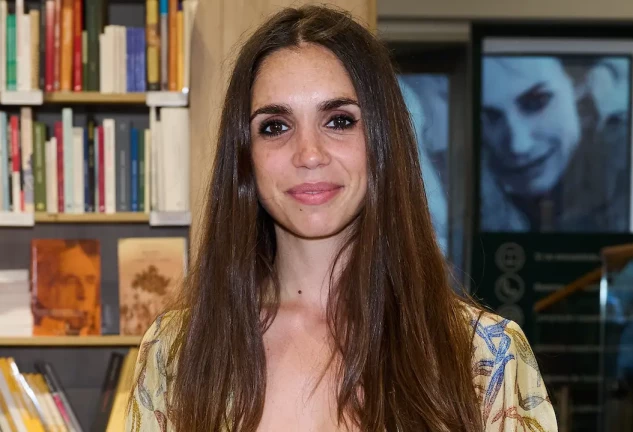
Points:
[[141, 63], [134, 185], [130, 41]]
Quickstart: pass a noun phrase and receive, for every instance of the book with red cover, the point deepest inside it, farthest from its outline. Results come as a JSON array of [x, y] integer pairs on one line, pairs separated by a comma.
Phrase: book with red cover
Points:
[[66, 287]]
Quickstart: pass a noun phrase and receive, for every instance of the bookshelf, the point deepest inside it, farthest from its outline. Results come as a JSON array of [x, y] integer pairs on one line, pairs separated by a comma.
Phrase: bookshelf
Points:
[[82, 362]]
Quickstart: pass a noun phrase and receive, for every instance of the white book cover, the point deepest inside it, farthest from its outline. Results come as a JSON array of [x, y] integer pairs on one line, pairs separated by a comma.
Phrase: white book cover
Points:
[[154, 128], [175, 159], [108, 60], [112, 36], [26, 149], [3, 44], [102, 63], [78, 158], [148, 159], [19, 44], [109, 165], [24, 55], [69, 160], [51, 175]]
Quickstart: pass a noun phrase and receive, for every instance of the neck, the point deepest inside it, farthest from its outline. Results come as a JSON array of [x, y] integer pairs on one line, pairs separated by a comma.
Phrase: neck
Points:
[[304, 267]]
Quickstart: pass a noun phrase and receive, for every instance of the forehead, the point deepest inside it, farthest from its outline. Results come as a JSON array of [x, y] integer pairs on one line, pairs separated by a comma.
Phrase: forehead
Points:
[[505, 78], [300, 74]]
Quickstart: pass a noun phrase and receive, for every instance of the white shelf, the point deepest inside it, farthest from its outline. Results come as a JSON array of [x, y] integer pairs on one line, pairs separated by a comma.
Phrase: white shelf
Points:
[[170, 218], [12, 219], [166, 99], [30, 97]]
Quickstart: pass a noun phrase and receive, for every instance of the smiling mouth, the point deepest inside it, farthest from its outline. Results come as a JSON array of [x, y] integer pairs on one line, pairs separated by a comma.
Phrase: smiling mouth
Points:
[[314, 193], [524, 168]]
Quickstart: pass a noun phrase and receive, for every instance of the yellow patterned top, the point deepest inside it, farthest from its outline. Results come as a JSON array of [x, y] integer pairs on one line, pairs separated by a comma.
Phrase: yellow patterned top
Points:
[[506, 377]]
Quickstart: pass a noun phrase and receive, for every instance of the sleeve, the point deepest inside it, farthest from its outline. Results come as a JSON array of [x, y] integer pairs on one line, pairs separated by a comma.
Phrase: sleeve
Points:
[[148, 404], [511, 390]]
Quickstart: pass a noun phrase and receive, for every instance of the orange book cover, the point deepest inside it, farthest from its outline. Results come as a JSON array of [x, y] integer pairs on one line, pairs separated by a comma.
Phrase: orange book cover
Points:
[[180, 61], [151, 271], [66, 287], [67, 30], [173, 45]]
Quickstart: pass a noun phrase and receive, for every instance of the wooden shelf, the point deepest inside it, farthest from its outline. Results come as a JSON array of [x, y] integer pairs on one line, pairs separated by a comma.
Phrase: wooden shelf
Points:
[[113, 340], [91, 218], [94, 98]]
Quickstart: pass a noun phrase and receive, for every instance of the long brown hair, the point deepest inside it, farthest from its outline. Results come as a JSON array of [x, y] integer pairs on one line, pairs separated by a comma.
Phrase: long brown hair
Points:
[[400, 332]]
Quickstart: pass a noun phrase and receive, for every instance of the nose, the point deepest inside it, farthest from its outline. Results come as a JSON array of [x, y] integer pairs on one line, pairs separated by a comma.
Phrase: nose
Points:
[[520, 140], [309, 149]]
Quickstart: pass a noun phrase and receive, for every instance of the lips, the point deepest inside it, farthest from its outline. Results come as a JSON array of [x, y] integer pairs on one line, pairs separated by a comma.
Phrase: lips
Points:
[[314, 193]]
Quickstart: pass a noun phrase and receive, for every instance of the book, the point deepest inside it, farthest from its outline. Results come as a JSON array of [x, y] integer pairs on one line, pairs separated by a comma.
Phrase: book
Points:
[[15, 303], [66, 287], [106, 399], [150, 271], [59, 395]]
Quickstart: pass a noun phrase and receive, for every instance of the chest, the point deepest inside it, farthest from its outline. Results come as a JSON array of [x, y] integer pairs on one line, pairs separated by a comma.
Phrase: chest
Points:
[[301, 387]]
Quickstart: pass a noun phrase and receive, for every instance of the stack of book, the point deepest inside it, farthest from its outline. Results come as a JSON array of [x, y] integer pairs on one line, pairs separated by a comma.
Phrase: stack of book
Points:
[[67, 45], [94, 168], [37, 402], [15, 303]]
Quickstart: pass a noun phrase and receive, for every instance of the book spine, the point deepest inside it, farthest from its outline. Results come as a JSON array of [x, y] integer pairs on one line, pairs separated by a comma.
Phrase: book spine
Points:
[[164, 45], [61, 187], [79, 167], [122, 148], [77, 63], [54, 384], [69, 160], [129, 57], [40, 167], [173, 45], [34, 17], [50, 46], [5, 168], [84, 60], [18, 202], [42, 39], [67, 53], [109, 129], [9, 139], [51, 179], [57, 46], [26, 141], [3, 44], [142, 61], [101, 169], [93, 30], [141, 170], [92, 190], [108, 391], [134, 170], [180, 53], [12, 83], [153, 42], [87, 171], [24, 52]]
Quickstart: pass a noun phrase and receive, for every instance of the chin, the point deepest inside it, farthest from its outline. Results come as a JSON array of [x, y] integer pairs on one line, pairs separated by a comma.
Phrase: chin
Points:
[[316, 228]]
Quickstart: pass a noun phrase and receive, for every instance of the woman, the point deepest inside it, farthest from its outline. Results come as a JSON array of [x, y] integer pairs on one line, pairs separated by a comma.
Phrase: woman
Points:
[[319, 300]]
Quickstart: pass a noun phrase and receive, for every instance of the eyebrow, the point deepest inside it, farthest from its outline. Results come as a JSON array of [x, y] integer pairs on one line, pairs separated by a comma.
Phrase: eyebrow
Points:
[[327, 105]]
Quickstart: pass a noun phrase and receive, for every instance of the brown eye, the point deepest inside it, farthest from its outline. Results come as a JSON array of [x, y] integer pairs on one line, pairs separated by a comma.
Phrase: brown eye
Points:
[[272, 128], [340, 122]]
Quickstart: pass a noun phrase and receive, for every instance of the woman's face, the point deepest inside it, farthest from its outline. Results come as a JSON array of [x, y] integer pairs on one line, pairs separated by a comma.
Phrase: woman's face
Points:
[[308, 143], [529, 122]]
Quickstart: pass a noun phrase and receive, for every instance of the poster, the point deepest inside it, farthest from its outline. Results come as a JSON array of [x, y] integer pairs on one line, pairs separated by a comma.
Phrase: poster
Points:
[[426, 97], [555, 140]]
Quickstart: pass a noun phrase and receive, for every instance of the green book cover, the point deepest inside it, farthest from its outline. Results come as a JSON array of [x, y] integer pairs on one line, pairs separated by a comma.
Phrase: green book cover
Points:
[[11, 51], [39, 133], [141, 170]]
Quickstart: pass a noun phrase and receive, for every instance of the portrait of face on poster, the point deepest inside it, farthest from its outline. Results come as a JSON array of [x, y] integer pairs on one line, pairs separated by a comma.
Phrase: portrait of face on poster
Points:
[[555, 144], [426, 97]]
